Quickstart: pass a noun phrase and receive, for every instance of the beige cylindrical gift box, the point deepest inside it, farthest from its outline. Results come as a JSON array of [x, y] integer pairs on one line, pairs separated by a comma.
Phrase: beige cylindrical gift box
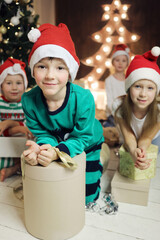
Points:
[[54, 199]]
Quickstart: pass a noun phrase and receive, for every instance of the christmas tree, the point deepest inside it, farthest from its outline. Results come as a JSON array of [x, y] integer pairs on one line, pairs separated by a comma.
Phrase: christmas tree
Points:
[[114, 32], [17, 18]]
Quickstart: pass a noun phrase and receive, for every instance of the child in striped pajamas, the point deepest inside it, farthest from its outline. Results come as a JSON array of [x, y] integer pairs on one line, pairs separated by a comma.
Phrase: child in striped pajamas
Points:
[[13, 82], [58, 112]]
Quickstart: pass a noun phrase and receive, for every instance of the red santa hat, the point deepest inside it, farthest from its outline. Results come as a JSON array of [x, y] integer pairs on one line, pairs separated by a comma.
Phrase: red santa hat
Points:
[[144, 67], [53, 41], [121, 49], [13, 66]]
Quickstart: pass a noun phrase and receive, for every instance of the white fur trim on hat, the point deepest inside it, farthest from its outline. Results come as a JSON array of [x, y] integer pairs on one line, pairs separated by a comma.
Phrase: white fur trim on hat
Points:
[[15, 69], [143, 73], [119, 53], [33, 35], [51, 50]]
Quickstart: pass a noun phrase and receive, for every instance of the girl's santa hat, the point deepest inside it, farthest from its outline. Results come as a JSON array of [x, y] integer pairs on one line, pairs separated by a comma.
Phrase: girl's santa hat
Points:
[[121, 49], [144, 67], [53, 41], [13, 66]]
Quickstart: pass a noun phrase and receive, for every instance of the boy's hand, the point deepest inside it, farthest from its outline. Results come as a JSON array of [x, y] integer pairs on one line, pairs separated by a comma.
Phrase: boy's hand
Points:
[[30, 155], [46, 155]]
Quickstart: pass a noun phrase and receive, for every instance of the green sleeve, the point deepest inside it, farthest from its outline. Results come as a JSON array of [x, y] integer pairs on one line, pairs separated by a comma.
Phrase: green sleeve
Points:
[[42, 135]]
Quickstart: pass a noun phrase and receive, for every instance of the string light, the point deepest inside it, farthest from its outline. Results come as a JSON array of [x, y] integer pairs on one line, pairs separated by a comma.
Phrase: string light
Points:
[[99, 70], [125, 8], [134, 37], [121, 39], [88, 61], [121, 29], [116, 3], [106, 16], [108, 63], [124, 15], [97, 37], [107, 8], [98, 57], [108, 39], [108, 29], [116, 19], [105, 49], [90, 78]]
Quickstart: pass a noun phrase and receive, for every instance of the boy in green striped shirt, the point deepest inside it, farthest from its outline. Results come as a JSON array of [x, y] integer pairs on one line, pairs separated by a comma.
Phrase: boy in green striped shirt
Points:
[[58, 112]]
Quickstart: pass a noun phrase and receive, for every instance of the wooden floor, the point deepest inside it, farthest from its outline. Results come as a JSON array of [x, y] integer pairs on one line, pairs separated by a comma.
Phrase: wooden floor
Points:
[[130, 223]]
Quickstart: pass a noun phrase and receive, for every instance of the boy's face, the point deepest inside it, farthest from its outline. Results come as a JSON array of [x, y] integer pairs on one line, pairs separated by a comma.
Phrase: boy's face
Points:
[[51, 75], [120, 63], [13, 87]]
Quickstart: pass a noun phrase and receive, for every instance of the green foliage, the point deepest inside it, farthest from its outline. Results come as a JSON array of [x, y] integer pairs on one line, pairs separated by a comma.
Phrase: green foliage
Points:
[[16, 20]]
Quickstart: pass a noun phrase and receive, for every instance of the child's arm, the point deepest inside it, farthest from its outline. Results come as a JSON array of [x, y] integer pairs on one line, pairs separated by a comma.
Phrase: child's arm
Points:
[[147, 137], [30, 155], [20, 129], [7, 124], [130, 143]]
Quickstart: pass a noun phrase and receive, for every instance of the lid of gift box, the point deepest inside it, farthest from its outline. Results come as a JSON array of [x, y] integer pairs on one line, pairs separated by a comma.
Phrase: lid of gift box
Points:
[[55, 171], [12, 146], [120, 181]]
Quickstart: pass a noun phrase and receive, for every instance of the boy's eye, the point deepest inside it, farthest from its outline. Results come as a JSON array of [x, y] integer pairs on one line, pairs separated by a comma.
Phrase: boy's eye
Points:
[[150, 88], [61, 67], [41, 66]]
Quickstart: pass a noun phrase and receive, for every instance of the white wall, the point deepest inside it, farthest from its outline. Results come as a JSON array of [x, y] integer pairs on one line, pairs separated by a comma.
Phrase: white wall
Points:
[[46, 11]]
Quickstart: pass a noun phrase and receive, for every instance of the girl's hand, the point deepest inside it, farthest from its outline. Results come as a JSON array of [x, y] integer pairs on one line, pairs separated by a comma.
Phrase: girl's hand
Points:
[[141, 159], [30, 155], [47, 155]]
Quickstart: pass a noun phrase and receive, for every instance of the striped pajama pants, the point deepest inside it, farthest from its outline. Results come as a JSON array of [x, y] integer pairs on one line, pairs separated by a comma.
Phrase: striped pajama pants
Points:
[[6, 162], [93, 173]]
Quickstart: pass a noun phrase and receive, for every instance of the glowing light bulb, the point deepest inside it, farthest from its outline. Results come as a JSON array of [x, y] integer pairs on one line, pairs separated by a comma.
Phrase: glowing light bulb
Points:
[[106, 16], [116, 19], [108, 63], [90, 78], [108, 29], [121, 39], [98, 57], [94, 85], [124, 15], [108, 39], [97, 37], [106, 49], [107, 8], [125, 7], [121, 29], [116, 3], [99, 70], [133, 37], [88, 61]]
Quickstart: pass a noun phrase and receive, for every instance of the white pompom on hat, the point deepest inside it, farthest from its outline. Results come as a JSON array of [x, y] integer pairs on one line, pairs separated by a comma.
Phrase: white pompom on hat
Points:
[[53, 41], [144, 67], [13, 66], [121, 49]]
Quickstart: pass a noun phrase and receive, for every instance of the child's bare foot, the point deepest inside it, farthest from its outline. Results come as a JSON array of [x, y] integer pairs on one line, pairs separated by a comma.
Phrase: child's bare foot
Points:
[[7, 172]]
